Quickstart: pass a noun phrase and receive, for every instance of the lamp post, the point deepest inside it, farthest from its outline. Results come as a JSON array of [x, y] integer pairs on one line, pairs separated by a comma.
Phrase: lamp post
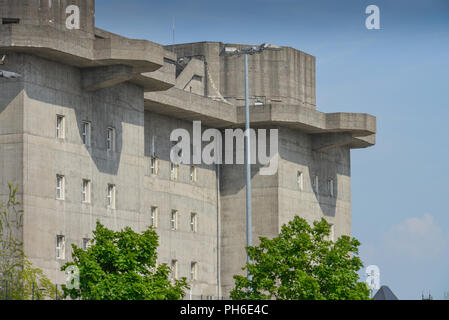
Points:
[[245, 51], [9, 75]]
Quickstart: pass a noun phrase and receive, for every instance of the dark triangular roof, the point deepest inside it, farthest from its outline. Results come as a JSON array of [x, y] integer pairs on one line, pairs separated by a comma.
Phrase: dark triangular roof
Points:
[[385, 293]]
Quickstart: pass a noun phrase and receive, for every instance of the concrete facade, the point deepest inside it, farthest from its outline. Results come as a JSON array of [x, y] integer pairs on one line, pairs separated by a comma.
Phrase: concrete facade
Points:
[[142, 91]]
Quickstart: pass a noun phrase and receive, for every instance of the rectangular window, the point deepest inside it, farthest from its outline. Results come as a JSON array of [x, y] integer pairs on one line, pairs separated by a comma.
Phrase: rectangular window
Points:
[[174, 168], [60, 187], [86, 133], [193, 222], [174, 220], [193, 271], [60, 127], [85, 193], [110, 141], [86, 243], [174, 269], [111, 196], [60, 247], [154, 166], [154, 217], [193, 176], [10, 21], [316, 184], [300, 180], [331, 187]]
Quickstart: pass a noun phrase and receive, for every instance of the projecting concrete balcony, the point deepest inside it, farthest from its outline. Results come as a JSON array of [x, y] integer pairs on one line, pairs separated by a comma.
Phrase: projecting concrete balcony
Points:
[[358, 130], [79, 50], [188, 106], [309, 120]]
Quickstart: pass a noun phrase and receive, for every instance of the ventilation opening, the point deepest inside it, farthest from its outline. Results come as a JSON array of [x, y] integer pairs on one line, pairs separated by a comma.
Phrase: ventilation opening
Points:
[[10, 21]]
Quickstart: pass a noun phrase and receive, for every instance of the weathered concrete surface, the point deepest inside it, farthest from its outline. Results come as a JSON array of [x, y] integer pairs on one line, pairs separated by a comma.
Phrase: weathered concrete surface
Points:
[[286, 76], [144, 91], [84, 48], [103, 77], [192, 77], [51, 13], [182, 105]]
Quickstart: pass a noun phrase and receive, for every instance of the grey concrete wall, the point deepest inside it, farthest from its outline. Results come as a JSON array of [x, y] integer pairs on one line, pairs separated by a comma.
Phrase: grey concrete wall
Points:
[[277, 199], [29, 111], [52, 89], [11, 129], [296, 154], [192, 78], [56, 82], [33, 12], [187, 197], [11, 139], [287, 75], [233, 204], [203, 50]]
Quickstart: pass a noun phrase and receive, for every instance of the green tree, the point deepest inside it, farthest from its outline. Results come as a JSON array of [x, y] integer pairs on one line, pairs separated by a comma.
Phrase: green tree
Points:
[[302, 264], [122, 266], [19, 280], [29, 283]]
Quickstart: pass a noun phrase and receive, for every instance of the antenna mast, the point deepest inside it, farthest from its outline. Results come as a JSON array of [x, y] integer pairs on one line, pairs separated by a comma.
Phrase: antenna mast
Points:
[[174, 31]]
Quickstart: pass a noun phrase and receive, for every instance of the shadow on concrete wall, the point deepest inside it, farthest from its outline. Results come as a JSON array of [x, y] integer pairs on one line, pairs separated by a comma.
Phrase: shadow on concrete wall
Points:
[[100, 116], [11, 106], [59, 86], [327, 165], [158, 128]]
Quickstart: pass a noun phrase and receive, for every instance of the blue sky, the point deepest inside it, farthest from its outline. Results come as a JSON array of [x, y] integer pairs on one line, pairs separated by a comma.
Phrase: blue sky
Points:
[[400, 187]]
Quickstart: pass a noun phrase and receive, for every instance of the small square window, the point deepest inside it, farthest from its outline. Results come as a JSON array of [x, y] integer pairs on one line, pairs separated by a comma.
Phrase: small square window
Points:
[[332, 232], [193, 174], [86, 133], [154, 166], [316, 186], [193, 222], [85, 193], [110, 139], [174, 170], [193, 271], [174, 269], [60, 181], [10, 21], [174, 220], [86, 243], [111, 196], [60, 247], [300, 180], [154, 217], [60, 127], [330, 186]]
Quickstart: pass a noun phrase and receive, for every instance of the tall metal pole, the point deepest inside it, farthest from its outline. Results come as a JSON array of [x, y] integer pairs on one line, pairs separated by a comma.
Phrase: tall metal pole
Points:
[[249, 218]]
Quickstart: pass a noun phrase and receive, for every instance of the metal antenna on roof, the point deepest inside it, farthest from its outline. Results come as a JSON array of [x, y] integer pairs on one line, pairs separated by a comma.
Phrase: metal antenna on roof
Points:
[[174, 30], [7, 74]]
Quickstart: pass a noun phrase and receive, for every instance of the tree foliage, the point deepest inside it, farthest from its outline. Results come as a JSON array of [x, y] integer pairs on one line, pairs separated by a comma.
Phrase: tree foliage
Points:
[[29, 283], [122, 266], [19, 280], [302, 264]]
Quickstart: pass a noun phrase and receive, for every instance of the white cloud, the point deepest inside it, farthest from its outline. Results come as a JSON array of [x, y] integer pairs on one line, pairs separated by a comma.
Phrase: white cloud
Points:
[[412, 257], [419, 239]]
